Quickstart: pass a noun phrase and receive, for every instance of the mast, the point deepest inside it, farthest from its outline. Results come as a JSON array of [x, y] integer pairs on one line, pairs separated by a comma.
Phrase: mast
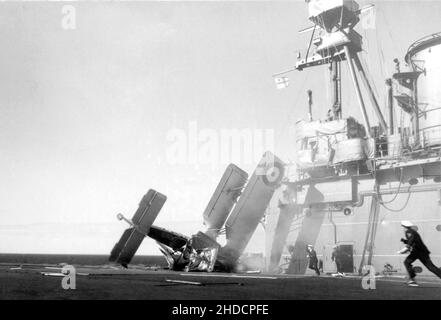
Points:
[[336, 80], [358, 91], [390, 105], [338, 41], [309, 105]]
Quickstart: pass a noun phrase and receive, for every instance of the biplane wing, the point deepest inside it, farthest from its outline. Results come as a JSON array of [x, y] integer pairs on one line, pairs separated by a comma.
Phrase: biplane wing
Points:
[[250, 208], [223, 199]]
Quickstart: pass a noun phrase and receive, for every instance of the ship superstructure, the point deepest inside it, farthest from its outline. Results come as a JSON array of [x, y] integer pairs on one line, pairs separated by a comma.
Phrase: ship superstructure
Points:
[[355, 181]]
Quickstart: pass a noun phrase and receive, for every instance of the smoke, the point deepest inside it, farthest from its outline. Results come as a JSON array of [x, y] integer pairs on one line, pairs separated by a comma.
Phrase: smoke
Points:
[[251, 262]]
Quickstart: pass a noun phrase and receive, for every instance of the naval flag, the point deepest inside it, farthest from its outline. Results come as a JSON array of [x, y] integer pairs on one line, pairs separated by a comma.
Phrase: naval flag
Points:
[[281, 82]]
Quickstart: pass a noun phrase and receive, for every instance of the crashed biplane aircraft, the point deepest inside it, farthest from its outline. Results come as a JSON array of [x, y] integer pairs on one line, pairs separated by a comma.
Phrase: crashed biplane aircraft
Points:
[[236, 208]]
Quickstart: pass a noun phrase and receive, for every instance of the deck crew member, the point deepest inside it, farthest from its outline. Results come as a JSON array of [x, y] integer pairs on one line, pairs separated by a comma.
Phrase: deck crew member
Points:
[[291, 264], [338, 259], [418, 251], [313, 261]]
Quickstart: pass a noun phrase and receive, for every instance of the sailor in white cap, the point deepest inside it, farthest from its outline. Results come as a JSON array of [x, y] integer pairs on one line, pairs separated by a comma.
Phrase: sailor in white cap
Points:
[[418, 251]]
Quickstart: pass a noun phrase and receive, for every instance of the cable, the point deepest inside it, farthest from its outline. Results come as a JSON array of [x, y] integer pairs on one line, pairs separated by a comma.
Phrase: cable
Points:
[[396, 194], [403, 207], [288, 118]]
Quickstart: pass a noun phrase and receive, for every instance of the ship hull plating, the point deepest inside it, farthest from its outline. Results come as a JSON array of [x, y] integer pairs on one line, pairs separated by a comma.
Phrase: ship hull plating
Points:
[[370, 232]]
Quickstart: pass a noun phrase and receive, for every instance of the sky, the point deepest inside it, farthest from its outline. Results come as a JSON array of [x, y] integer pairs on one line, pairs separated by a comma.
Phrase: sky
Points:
[[138, 96]]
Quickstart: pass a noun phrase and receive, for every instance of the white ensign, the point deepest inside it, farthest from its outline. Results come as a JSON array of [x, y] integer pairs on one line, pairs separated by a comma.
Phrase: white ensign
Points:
[[281, 82]]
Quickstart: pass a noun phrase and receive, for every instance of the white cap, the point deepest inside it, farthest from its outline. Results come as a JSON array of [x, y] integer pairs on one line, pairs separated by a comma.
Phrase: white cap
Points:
[[407, 224]]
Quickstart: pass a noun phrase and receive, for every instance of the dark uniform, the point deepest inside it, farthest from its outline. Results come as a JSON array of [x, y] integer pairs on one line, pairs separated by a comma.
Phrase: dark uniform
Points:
[[418, 251], [337, 258], [313, 261]]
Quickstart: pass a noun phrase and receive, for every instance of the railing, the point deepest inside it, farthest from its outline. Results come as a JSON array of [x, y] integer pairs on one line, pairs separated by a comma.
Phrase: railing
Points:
[[402, 145], [419, 42], [431, 136]]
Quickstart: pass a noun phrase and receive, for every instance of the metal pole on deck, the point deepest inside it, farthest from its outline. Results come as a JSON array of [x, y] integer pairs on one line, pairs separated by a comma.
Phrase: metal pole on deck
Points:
[[357, 90], [310, 105], [390, 105], [372, 97], [336, 78], [339, 90], [416, 119]]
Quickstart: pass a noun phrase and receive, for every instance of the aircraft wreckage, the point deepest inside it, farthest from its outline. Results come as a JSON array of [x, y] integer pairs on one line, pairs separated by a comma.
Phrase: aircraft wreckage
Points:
[[236, 208]]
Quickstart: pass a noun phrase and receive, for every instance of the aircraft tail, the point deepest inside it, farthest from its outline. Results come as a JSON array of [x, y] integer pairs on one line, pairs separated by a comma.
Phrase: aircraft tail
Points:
[[148, 210]]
